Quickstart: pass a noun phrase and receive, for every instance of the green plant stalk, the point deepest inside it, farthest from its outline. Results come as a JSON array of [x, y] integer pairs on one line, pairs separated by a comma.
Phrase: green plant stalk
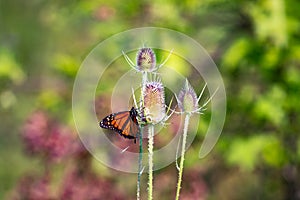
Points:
[[185, 129], [150, 160], [140, 163]]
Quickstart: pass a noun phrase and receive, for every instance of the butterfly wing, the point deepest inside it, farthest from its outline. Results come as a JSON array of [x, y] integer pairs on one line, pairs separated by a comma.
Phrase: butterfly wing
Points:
[[124, 123]]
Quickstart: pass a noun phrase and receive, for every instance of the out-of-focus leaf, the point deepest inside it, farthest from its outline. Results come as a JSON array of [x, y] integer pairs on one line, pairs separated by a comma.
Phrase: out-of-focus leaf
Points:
[[270, 58], [292, 75], [66, 65], [161, 12], [246, 153], [50, 100], [10, 68], [269, 20], [7, 99], [236, 53], [270, 106], [273, 152], [247, 94]]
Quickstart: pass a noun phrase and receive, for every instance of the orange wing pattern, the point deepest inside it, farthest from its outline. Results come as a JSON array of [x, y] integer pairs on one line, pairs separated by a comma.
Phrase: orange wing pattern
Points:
[[125, 123]]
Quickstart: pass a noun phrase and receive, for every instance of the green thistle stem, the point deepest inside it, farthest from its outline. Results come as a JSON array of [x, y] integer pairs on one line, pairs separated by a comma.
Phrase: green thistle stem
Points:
[[185, 129], [144, 81], [150, 160], [140, 163]]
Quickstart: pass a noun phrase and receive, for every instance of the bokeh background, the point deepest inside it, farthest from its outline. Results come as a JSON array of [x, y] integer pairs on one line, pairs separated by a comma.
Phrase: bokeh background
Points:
[[256, 46]]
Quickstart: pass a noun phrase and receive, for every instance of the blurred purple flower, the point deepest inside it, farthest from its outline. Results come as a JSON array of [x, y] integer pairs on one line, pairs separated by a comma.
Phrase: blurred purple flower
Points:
[[44, 137], [34, 132], [194, 187], [86, 185], [32, 189], [59, 143]]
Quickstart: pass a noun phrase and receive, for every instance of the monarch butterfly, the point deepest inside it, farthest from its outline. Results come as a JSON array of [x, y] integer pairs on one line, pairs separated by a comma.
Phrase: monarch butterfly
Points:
[[124, 122]]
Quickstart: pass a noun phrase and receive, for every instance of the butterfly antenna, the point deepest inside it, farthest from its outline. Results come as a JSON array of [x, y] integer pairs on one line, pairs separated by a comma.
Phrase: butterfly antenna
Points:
[[132, 65]]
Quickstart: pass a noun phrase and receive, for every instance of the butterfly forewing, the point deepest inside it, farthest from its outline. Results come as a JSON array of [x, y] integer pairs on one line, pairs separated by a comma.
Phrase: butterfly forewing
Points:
[[125, 123]]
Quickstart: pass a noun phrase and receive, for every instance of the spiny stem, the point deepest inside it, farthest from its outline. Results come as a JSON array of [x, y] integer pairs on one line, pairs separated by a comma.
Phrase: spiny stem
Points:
[[144, 80], [185, 129], [150, 160], [140, 163]]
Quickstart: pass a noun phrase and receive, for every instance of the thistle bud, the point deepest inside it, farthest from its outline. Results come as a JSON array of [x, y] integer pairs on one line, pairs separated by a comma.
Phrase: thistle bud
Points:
[[154, 102], [187, 99], [146, 60]]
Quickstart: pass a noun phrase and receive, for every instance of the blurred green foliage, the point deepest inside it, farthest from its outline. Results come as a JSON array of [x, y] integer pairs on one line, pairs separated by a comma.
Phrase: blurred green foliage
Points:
[[255, 44]]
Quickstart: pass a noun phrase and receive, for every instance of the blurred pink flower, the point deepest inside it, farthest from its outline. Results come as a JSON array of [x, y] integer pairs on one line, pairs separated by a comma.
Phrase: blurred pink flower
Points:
[[86, 185], [104, 13], [59, 143], [42, 136], [34, 132], [45, 137], [194, 187], [32, 188]]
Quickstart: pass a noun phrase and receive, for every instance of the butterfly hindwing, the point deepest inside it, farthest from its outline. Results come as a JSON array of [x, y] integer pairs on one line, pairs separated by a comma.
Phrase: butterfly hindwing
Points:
[[125, 123]]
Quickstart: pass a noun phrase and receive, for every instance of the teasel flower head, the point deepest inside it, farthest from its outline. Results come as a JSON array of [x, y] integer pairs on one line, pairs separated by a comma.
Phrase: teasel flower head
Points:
[[146, 60], [154, 102], [187, 99]]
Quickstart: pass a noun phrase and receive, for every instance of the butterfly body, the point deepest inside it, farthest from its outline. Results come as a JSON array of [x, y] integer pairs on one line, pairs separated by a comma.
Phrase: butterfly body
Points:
[[125, 123]]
